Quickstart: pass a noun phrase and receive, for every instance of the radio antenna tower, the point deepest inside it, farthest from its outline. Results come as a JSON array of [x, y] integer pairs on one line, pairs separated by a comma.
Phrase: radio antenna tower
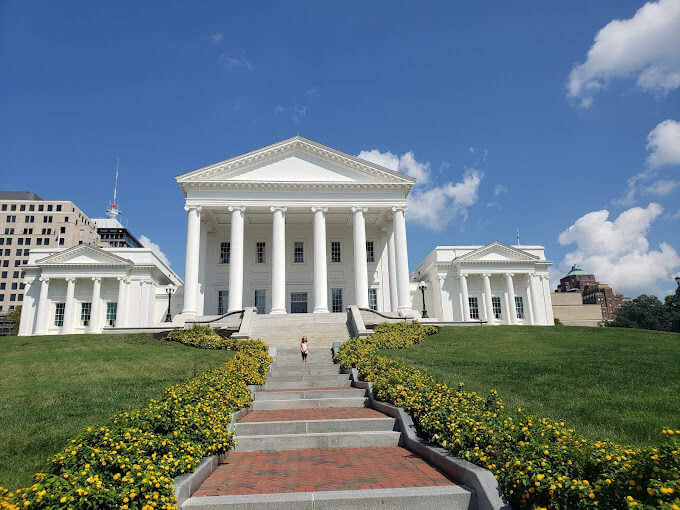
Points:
[[113, 211]]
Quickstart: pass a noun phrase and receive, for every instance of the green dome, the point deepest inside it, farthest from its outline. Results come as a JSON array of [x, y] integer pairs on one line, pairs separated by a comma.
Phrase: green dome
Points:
[[575, 269]]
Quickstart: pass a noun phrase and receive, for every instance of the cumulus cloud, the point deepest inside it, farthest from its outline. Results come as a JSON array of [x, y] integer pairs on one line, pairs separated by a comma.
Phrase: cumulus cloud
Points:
[[662, 187], [430, 205], [646, 47], [235, 64], [148, 243], [663, 142], [618, 252]]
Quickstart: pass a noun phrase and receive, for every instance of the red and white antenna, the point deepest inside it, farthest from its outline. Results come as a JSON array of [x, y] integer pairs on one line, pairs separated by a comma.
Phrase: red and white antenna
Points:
[[113, 211]]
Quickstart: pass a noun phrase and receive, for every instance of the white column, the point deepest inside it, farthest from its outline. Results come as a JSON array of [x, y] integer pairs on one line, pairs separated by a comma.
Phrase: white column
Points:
[[443, 302], [529, 303], [464, 291], [537, 299], [236, 257], [69, 312], [121, 307], [320, 261], [360, 265], [43, 307], [202, 253], [279, 260], [401, 256], [487, 298], [96, 307], [27, 315], [392, 268], [547, 301], [512, 309], [192, 260]]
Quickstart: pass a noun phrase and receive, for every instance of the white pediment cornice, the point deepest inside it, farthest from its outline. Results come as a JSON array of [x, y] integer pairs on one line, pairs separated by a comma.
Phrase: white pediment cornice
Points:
[[497, 252], [83, 255], [223, 172]]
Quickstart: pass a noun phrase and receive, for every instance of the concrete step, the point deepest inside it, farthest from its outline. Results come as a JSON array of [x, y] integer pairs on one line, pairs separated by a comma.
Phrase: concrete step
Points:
[[310, 394], [317, 440], [452, 497], [314, 426], [292, 377], [261, 405], [295, 385], [306, 370]]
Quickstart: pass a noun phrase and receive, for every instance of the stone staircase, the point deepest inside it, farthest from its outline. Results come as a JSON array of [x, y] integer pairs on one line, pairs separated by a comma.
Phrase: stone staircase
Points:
[[310, 442], [286, 330]]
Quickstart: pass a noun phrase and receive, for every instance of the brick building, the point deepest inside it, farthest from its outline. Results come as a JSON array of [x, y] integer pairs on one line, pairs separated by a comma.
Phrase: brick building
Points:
[[592, 291]]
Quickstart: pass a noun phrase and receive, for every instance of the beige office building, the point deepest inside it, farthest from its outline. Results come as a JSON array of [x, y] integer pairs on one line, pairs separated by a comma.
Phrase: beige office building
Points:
[[27, 221]]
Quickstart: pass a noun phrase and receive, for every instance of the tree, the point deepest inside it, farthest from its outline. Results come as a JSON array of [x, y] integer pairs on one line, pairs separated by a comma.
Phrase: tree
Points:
[[15, 317], [672, 305], [644, 312]]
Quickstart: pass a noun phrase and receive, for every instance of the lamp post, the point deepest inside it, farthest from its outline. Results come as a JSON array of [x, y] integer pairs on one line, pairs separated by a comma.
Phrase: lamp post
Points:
[[422, 285], [170, 289]]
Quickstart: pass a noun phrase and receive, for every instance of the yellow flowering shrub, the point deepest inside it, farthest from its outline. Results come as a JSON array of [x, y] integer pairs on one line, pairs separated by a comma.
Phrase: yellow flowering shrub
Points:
[[205, 337], [132, 463], [539, 463]]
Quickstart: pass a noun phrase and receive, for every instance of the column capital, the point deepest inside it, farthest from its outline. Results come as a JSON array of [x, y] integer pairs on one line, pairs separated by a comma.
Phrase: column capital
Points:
[[401, 208], [463, 275], [45, 279], [70, 279], [96, 278], [442, 277], [359, 209], [281, 208], [233, 208], [509, 275], [124, 279], [319, 209], [188, 207], [486, 275]]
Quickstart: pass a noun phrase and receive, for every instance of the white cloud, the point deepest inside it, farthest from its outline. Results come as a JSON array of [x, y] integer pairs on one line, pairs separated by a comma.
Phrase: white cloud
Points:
[[663, 142], [662, 187], [148, 243], [298, 113], [235, 64], [646, 46], [430, 205], [618, 253], [499, 189], [217, 37], [676, 216]]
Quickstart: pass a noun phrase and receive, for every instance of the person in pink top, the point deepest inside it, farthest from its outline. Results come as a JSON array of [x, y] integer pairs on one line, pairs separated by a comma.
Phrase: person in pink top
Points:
[[304, 350]]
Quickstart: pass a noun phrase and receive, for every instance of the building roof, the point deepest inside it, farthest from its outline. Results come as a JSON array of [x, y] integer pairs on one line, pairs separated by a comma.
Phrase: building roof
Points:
[[18, 195], [107, 223], [575, 269]]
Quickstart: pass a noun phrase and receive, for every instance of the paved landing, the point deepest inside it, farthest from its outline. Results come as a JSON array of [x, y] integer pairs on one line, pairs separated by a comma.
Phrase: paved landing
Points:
[[313, 470], [327, 413]]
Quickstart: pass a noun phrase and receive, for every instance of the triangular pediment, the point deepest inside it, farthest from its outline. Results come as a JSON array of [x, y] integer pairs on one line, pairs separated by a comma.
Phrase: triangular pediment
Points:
[[497, 252], [84, 255], [296, 160]]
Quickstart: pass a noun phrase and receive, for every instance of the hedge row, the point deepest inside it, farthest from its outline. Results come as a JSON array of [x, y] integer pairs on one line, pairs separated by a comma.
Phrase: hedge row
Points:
[[540, 463], [132, 463]]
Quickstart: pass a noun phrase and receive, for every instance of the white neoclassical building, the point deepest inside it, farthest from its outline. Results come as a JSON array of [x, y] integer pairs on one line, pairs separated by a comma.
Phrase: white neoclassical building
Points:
[[496, 283], [86, 289], [295, 227]]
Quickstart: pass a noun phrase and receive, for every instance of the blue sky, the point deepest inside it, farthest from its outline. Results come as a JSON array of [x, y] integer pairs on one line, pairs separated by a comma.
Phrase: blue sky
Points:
[[485, 95]]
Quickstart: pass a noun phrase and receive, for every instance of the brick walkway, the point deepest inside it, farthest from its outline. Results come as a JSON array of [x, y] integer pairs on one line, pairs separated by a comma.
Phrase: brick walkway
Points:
[[327, 413], [311, 470]]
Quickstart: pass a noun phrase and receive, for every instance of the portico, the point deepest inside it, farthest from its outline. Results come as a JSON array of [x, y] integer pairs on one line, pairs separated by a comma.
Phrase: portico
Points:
[[294, 227]]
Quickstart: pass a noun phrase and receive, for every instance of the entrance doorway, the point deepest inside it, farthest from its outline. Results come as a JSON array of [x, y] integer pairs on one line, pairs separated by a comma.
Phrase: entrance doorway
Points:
[[298, 302]]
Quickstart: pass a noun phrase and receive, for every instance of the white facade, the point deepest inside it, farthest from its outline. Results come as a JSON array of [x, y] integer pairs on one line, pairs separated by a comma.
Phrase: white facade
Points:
[[85, 289], [496, 283], [297, 227]]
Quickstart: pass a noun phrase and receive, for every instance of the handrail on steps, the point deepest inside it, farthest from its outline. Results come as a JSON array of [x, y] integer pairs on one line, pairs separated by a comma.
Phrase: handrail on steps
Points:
[[233, 312], [379, 314]]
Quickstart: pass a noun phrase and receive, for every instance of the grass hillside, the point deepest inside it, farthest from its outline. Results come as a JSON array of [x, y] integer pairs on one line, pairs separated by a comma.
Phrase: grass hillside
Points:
[[52, 387], [622, 384]]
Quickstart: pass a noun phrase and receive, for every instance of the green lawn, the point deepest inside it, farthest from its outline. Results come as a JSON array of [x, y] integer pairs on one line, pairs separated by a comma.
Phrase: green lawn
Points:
[[622, 384], [52, 387]]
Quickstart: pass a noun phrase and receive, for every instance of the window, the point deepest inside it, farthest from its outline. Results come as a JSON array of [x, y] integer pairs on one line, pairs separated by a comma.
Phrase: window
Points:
[[47, 219], [9, 241], [65, 220], [13, 207], [59, 314], [22, 207], [49, 207], [10, 230], [2, 240], [28, 241], [222, 301], [62, 230], [14, 285], [370, 252], [373, 299], [111, 308], [298, 252], [8, 251], [45, 242], [31, 207], [260, 300], [2, 285], [12, 297], [519, 307], [85, 312], [11, 219], [15, 274], [3, 274], [4, 207], [225, 253], [38, 242], [336, 300], [260, 252], [335, 252], [58, 207], [5, 263], [27, 231], [40, 207], [474, 307], [61, 242], [496, 306], [20, 241], [29, 219]]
